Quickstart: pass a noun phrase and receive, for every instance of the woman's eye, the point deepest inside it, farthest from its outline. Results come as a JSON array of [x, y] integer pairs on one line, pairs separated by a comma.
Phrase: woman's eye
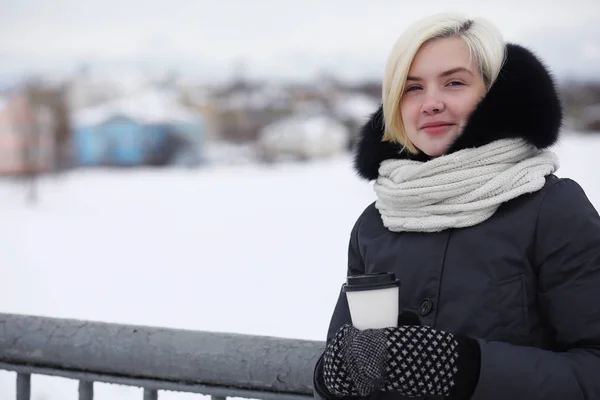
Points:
[[412, 88], [455, 83]]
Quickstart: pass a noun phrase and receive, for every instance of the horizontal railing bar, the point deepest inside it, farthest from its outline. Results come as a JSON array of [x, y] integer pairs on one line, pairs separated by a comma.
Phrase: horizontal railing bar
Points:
[[154, 384], [260, 364]]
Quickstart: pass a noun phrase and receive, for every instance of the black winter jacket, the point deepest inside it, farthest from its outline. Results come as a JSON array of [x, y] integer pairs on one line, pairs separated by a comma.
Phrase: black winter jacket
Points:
[[525, 283]]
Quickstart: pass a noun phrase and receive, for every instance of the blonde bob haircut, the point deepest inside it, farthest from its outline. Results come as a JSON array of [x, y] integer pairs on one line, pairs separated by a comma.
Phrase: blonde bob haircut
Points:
[[484, 40]]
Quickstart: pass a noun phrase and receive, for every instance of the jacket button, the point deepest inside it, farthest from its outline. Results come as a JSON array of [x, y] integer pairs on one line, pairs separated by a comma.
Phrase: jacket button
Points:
[[425, 307]]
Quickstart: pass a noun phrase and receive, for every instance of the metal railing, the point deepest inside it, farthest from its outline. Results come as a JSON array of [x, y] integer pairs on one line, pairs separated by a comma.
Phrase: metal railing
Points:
[[217, 364]]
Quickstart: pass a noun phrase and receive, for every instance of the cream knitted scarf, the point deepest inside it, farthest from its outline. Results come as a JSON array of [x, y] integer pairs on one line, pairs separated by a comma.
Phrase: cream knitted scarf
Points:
[[459, 189]]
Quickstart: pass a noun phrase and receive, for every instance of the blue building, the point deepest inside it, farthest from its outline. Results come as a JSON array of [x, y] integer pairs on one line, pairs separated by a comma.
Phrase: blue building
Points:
[[146, 130]]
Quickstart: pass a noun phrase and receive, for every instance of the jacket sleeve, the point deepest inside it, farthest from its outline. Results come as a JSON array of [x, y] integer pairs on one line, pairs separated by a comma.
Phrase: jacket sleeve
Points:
[[341, 316], [341, 312], [567, 252]]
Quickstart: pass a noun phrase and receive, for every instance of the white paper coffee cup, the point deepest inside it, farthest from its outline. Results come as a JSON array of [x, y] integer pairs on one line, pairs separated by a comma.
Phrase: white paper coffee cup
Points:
[[373, 300]]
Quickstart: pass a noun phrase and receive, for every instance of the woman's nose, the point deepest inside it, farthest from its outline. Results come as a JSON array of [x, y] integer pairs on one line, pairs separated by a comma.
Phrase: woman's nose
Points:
[[432, 105]]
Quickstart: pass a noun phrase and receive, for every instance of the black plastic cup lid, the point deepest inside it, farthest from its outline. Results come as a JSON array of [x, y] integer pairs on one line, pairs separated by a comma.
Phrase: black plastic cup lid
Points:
[[380, 280]]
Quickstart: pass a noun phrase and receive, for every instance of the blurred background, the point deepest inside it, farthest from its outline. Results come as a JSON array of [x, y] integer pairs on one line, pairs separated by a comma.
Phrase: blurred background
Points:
[[187, 164]]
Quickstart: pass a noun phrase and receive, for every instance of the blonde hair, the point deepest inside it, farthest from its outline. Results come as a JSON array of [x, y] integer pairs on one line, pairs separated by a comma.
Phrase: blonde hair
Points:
[[484, 40]]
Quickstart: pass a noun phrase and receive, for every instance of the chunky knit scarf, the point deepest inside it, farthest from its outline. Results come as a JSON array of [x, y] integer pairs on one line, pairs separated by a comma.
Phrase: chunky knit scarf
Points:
[[459, 189]]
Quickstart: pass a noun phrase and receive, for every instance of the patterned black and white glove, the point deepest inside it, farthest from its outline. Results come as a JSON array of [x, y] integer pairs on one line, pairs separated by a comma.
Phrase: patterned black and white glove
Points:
[[414, 361]]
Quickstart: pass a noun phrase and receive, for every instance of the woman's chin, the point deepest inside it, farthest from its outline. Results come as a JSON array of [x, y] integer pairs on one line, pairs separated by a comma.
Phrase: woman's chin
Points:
[[435, 149]]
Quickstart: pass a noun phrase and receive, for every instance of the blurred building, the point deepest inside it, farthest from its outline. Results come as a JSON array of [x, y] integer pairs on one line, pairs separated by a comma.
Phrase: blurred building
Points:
[[27, 142], [149, 128], [242, 109], [590, 118], [303, 138], [354, 110]]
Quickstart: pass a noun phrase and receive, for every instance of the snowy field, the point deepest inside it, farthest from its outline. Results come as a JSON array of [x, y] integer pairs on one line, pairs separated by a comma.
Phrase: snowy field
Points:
[[243, 248]]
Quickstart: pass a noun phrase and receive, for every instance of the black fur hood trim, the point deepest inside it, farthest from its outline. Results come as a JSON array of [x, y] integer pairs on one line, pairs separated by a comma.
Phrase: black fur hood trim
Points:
[[522, 103]]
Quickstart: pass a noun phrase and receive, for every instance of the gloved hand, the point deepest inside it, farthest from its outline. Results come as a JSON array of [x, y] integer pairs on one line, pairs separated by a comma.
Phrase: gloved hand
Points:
[[414, 361], [320, 389]]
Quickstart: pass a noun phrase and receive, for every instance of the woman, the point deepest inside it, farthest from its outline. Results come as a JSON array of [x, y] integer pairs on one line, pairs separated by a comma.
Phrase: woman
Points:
[[498, 258]]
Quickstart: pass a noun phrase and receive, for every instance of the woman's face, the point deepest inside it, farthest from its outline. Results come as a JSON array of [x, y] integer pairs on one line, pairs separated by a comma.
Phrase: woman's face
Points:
[[442, 89]]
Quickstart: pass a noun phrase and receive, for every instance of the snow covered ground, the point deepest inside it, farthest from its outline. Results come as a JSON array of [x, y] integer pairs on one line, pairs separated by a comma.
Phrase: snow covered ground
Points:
[[243, 248]]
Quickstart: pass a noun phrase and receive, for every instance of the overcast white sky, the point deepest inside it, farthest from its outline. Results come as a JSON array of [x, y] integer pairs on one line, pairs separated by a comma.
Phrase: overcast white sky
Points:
[[280, 38]]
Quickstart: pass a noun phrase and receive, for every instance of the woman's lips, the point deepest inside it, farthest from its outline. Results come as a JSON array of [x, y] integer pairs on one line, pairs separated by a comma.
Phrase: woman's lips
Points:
[[437, 129]]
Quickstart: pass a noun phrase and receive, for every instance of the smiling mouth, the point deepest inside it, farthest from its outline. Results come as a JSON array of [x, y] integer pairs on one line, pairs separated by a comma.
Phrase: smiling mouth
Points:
[[437, 129]]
